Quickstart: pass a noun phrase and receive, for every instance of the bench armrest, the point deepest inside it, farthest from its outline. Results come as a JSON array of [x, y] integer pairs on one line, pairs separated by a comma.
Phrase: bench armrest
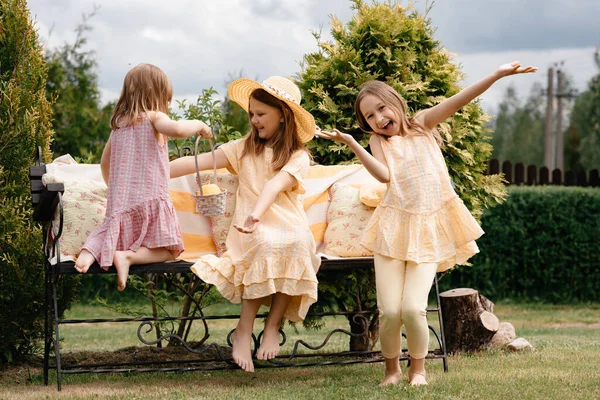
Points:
[[48, 202]]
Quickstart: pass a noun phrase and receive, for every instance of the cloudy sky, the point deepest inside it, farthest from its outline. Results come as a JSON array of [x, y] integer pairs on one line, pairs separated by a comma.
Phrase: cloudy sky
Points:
[[201, 43]]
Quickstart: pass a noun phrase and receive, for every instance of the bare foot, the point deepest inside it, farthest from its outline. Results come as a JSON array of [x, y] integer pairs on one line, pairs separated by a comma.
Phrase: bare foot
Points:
[[391, 378], [269, 347], [242, 351], [417, 378], [84, 261], [122, 262]]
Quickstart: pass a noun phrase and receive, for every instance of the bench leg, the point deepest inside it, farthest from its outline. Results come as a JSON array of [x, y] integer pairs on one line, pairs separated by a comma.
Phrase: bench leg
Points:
[[56, 337], [442, 337], [47, 321]]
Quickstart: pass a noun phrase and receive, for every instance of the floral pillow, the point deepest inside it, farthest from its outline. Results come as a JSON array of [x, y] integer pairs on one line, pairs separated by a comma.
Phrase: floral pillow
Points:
[[222, 223], [347, 218], [84, 206]]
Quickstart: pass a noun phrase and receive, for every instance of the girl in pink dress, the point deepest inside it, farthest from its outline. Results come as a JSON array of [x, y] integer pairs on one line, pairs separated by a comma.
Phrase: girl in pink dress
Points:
[[271, 253], [421, 226], [140, 225]]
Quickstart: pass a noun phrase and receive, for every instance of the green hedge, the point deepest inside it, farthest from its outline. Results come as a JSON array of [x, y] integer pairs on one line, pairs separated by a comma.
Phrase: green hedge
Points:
[[542, 244]]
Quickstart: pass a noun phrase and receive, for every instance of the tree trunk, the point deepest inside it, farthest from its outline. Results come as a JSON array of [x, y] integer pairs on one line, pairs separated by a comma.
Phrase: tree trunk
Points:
[[486, 304], [468, 320]]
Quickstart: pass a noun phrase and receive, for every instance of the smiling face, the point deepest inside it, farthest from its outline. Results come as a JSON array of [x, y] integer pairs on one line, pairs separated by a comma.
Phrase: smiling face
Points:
[[382, 119], [266, 119]]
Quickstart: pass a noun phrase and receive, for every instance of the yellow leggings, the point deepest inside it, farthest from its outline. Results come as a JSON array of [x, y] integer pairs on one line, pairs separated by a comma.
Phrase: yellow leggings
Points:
[[402, 291]]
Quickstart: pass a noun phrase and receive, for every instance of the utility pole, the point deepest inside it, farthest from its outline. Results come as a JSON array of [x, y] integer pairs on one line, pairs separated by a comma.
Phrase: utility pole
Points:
[[560, 137], [554, 141], [548, 145], [561, 93]]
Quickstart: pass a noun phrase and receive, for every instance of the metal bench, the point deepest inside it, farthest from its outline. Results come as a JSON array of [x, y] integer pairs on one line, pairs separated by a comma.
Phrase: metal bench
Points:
[[47, 200]]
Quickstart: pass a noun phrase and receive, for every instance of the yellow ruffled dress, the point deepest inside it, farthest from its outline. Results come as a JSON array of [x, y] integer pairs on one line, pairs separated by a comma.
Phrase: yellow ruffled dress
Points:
[[420, 218], [280, 256]]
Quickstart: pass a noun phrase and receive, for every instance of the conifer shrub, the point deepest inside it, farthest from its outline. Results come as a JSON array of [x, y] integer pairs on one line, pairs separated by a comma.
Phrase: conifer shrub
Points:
[[25, 124]]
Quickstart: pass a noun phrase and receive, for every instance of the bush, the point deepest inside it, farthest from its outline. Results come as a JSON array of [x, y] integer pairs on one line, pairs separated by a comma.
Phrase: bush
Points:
[[543, 243], [25, 119], [395, 44]]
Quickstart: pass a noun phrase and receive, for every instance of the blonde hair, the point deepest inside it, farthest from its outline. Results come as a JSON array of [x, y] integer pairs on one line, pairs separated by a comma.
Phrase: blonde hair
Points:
[[392, 99], [285, 142], [145, 88]]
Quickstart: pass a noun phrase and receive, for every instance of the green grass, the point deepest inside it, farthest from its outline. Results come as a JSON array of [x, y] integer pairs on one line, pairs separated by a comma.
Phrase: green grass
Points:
[[565, 365]]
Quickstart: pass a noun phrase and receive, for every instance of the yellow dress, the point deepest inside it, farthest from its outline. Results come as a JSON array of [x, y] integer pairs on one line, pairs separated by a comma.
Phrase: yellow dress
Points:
[[420, 218], [280, 256]]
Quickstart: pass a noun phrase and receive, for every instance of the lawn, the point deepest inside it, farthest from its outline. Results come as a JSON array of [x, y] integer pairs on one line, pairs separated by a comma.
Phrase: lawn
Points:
[[565, 365]]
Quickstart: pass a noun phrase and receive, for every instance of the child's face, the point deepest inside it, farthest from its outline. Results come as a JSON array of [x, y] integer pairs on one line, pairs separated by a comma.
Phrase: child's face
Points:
[[265, 118], [381, 118]]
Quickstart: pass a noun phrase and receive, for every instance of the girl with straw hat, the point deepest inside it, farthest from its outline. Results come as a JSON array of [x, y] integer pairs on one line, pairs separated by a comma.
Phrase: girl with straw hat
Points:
[[271, 254]]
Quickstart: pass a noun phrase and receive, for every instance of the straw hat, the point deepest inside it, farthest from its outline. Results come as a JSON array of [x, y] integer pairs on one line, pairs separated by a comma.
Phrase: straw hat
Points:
[[281, 88]]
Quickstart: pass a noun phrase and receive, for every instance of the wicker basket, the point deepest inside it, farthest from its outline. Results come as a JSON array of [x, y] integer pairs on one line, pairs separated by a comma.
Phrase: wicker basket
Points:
[[210, 204]]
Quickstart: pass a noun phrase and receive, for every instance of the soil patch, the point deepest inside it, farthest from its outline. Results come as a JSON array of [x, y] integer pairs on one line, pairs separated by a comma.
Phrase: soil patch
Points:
[[134, 357]]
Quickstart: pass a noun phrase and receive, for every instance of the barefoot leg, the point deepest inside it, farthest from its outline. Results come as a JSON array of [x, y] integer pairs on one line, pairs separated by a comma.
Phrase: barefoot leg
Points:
[[393, 374], [84, 261], [269, 347], [242, 350], [416, 372], [242, 337], [124, 259], [122, 262]]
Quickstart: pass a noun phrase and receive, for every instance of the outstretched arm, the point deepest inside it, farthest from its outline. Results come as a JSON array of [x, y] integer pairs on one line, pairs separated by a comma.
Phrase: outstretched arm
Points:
[[186, 165], [439, 113], [375, 165], [178, 129], [279, 183]]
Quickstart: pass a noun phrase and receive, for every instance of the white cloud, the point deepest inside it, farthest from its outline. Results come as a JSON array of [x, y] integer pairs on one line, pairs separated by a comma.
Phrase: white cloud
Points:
[[166, 36], [200, 43], [577, 62]]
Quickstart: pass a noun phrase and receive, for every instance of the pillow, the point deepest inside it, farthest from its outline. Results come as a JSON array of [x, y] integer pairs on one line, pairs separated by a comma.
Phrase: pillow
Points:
[[84, 206], [221, 223], [372, 192], [347, 218]]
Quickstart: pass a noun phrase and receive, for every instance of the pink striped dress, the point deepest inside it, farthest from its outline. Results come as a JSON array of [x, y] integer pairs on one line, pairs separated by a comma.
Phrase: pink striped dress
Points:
[[139, 210]]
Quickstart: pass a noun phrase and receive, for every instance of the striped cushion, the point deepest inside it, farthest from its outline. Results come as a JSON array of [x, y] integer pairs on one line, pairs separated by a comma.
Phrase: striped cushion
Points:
[[200, 234]]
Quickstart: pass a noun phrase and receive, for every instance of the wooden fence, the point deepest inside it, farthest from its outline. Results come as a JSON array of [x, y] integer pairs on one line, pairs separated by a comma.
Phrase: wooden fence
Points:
[[532, 175]]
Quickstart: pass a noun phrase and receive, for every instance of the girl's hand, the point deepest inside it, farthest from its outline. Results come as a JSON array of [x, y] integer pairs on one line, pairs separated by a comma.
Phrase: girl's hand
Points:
[[513, 69], [335, 135], [250, 225], [204, 131]]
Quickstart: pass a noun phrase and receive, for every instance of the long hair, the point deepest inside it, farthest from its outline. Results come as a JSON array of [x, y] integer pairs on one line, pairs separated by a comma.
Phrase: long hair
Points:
[[145, 88], [285, 142], [392, 99]]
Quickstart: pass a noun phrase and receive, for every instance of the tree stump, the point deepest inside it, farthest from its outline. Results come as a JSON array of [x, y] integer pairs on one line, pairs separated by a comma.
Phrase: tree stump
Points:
[[468, 320]]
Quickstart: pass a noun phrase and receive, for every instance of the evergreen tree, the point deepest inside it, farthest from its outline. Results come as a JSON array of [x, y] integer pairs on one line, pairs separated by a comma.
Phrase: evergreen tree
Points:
[[81, 123], [519, 128], [25, 124], [235, 116], [585, 120], [395, 44]]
